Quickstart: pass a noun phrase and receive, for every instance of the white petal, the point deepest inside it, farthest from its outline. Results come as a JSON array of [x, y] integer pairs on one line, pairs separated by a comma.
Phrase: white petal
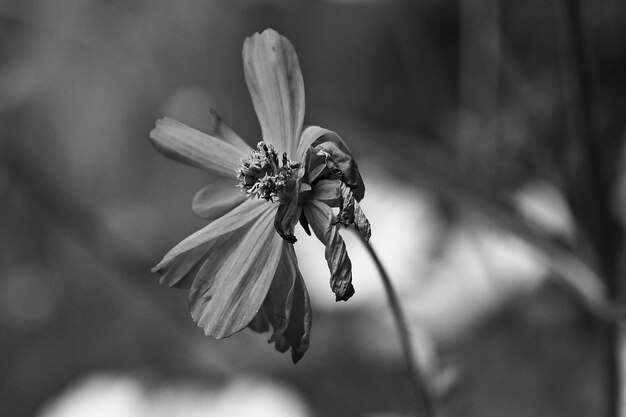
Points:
[[232, 284], [183, 143], [243, 214], [276, 87], [217, 199]]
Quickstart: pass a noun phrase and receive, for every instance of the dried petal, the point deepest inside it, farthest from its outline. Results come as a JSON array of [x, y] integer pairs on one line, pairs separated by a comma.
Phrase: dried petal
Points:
[[288, 214], [343, 161], [315, 134], [320, 217], [351, 213]]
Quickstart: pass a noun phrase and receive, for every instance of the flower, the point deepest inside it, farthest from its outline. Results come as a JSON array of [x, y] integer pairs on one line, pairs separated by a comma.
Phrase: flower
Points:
[[241, 269]]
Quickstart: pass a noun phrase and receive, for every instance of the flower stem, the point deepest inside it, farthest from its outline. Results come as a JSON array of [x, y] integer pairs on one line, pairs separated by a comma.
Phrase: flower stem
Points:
[[423, 402]]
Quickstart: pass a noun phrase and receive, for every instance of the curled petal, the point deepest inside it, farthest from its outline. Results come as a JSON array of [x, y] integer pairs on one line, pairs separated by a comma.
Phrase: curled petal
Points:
[[183, 143], [276, 87], [320, 217], [288, 214], [351, 213], [221, 130], [315, 166], [217, 199], [342, 160], [313, 134], [232, 283]]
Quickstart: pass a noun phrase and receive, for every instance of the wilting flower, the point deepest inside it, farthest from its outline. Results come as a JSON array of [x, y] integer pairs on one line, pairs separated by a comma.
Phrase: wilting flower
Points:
[[241, 268]]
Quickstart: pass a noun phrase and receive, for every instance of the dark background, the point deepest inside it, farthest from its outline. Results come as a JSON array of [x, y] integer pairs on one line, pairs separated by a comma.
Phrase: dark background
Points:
[[493, 162]]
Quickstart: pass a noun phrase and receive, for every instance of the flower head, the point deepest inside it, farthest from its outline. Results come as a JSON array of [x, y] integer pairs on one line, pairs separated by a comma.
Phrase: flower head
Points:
[[241, 269]]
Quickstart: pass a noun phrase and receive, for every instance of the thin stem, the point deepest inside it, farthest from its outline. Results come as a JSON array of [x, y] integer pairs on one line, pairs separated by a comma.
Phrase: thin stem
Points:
[[589, 178], [423, 402]]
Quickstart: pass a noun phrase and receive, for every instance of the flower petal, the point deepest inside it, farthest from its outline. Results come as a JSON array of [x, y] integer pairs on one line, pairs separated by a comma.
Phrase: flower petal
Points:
[[183, 143], [341, 159], [217, 199], [351, 214], [320, 218], [221, 130], [288, 213], [276, 87], [280, 296], [292, 326], [233, 282], [311, 134], [298, 332], [328, 192], [260, 323], [180, 274], [242, 215]]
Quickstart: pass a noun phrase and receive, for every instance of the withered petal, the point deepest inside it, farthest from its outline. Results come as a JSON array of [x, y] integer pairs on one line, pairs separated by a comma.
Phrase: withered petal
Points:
[[320, 217], [342, 158]]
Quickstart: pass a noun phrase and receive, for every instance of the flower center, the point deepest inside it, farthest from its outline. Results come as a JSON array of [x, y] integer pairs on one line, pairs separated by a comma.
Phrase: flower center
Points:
[[263, 174]]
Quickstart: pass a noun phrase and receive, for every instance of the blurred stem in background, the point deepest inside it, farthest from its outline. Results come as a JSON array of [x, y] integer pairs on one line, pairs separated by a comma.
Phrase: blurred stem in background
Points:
[[590, 185], [423, 402]]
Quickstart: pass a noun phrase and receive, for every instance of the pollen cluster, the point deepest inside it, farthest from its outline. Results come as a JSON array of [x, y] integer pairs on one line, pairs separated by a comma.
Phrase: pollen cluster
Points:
[[263, 174]]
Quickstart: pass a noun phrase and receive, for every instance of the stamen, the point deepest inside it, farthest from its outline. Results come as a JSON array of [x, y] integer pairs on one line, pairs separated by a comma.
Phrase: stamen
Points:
[[263, 174]]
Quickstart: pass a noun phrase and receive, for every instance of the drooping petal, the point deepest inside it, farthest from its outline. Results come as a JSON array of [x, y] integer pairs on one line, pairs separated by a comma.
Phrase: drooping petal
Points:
[[221, 130], [341, 159], [275, 83], [231, 285], [320, 218], [186, 144], [217, 198], [260, 323], [288, 213], [280, 296], [298, 332], [248, 211], [287, 308]]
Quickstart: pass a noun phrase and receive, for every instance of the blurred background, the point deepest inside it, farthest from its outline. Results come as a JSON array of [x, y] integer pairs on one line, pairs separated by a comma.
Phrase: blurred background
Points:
[[489, 134]]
